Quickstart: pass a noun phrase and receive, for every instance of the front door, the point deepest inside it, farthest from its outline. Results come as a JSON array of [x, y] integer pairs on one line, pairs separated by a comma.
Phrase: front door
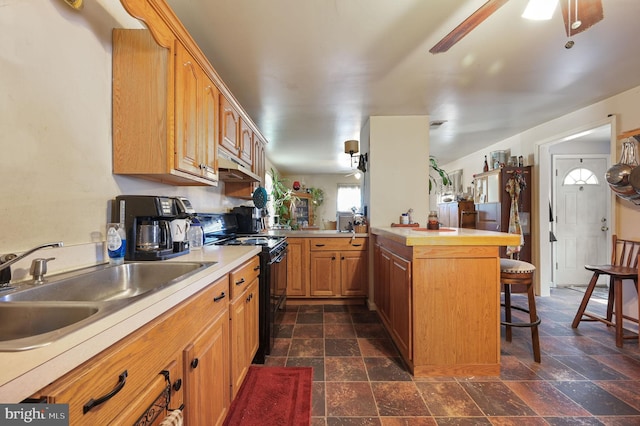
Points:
[[580, 216]]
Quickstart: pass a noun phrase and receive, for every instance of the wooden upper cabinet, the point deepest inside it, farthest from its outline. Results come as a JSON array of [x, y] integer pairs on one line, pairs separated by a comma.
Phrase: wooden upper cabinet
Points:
[[188, 79], [159, 127], [229, 127], [246, 143], [210, 106]]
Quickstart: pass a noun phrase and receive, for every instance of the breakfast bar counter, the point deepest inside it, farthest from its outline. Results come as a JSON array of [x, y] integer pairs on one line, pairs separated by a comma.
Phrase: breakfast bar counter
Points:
[[438, 294]]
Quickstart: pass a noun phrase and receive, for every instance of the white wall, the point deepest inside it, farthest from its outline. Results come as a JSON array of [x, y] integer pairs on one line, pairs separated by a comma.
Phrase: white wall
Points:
[[55, 128], [399, 168]]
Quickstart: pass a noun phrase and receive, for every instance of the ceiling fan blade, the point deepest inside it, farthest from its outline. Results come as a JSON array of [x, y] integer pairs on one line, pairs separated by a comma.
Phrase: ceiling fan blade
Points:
[[475, 19], [590, 12]]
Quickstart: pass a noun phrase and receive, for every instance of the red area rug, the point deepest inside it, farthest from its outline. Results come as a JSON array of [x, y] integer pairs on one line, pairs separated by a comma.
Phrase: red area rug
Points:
[[276, 396]]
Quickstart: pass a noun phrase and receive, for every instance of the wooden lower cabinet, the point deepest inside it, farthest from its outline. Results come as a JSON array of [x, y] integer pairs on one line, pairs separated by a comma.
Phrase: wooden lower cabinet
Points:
[[193, 342], [338, 267], [206, 366], [298, 267], [327, 267], [441, 306], [244, 331], [394, 297]]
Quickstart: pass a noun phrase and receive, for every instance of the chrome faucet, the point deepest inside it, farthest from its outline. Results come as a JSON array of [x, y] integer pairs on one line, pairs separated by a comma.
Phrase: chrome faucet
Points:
[[9, 259]]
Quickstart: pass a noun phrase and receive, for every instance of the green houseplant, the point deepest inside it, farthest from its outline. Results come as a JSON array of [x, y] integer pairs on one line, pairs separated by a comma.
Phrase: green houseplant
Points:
[[433, 165], [283, 198]]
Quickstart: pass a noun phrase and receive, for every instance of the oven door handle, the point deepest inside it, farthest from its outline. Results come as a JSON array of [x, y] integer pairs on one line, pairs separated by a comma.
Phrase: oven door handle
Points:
[[278, 259]]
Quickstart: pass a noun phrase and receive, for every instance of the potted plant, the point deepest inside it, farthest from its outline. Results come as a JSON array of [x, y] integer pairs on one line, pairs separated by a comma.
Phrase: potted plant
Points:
[[283, 198], [444, 177]]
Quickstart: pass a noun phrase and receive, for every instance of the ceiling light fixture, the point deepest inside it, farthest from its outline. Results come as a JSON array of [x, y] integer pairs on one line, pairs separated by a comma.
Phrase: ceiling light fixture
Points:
[[540, 10]]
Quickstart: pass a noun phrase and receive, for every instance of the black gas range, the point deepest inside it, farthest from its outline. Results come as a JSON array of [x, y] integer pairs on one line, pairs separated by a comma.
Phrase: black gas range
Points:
[[223, 229]]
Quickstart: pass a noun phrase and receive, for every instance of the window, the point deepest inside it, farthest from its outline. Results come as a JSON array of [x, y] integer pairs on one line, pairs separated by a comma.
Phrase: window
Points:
[[580, 177], [349, 197]]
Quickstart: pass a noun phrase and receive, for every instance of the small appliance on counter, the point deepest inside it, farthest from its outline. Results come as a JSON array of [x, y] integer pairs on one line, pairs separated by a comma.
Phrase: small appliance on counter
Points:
[[150, 222], [249, 219]]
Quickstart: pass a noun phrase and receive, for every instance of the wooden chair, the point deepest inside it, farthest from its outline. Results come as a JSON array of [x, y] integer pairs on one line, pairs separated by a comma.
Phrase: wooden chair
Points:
[[623, 266], [516, 276]]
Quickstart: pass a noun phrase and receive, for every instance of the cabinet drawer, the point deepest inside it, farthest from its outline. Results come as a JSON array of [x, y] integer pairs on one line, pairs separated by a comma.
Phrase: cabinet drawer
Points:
[[338, 244], [243, 276]]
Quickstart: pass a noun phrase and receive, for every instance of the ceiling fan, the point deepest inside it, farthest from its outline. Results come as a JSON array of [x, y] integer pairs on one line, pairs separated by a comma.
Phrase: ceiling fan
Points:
[[579, 15]]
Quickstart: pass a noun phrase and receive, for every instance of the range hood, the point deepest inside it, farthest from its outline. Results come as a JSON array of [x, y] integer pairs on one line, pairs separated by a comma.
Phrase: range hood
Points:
[[230, 170]]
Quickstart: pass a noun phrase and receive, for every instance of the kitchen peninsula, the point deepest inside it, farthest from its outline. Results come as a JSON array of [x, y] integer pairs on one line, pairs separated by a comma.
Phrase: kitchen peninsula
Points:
[[438, 294]]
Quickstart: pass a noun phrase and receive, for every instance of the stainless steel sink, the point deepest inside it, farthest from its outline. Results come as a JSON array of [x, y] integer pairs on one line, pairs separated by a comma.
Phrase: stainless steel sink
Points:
[[19, 321], [36, 315], [107, 283]]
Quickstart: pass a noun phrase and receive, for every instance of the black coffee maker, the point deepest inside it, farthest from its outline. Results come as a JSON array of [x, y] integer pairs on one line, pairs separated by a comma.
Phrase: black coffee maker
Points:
[[147, 221], [249, 219]]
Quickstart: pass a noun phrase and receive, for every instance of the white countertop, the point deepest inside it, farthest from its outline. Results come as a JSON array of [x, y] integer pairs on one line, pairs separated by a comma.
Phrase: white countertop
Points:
[[24, 373], [446, 236]]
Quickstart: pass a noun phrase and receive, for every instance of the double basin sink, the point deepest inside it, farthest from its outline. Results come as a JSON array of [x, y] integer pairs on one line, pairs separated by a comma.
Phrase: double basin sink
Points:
[[32, 316]]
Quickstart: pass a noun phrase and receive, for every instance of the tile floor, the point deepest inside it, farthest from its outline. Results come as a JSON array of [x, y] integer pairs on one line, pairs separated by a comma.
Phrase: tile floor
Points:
[[360, 380]]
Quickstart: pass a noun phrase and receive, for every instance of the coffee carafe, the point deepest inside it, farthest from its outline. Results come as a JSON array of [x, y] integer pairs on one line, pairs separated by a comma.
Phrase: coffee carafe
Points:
[[147, 222]]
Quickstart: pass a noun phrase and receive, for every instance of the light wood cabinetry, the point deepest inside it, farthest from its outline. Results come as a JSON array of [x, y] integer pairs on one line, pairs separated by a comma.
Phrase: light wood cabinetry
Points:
[[244, 321], [440, 304], [338, 267], [457, 214], [193, 342], [298, 267], [394, 301], [206, 361], [132, 367], [229, 127], [246, 143], [171, 109], [196, 117], [164, 128]]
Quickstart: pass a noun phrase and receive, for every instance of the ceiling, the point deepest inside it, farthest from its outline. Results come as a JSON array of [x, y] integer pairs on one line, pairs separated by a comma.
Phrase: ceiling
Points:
[[310, 73]]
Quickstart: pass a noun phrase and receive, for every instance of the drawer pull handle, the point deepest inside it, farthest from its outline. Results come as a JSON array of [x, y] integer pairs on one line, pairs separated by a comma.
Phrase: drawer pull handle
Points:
[[257, 268], [219, 298], [240, 281], [122, 380], [319, 245], [195, 362], [356, 245]]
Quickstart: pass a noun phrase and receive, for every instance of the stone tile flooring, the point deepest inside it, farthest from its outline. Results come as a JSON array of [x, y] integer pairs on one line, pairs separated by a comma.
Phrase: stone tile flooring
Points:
[[359, 378]]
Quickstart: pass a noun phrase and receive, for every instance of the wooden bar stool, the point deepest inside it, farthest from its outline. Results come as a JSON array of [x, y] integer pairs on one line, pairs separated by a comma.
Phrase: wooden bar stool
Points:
[[516, 276], [624, 261]]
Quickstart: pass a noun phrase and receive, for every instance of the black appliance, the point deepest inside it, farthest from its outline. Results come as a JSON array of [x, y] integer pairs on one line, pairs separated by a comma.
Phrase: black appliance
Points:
[[249, 219], [223, 229], [148, 210]]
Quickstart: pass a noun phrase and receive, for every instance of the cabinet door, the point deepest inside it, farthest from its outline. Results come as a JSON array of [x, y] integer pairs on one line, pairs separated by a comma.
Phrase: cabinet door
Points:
[[206, 363], [252, 320], [229, 127], [246, 143], [325, 273], [297, 267], [354, 273], [210, 105], [244, 334], [382, 277], [400, 295], [188, 78]]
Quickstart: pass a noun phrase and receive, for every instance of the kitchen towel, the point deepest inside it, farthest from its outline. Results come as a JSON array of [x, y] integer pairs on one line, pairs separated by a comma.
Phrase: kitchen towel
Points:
[[174, 418], [514, 185]]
